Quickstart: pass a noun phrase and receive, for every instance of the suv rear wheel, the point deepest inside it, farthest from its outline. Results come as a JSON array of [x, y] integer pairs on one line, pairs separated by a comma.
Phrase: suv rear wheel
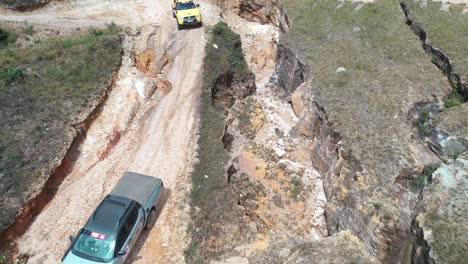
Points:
[[151, 219]]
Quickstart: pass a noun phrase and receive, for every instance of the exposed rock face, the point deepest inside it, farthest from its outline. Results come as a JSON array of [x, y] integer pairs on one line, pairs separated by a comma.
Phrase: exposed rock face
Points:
[[290, 70], [229, 88], [442, 226], [263, 11], [23, 4]]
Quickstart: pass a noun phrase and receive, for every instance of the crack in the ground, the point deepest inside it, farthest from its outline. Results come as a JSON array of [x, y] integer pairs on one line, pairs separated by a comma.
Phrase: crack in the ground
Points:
[[439, 58]]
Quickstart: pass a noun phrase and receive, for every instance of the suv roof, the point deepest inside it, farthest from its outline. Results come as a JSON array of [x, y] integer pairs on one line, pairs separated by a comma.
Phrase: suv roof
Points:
[[109, 214]]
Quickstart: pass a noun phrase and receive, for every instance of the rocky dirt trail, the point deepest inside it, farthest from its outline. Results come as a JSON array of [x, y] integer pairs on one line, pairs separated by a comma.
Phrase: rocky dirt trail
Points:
[[138, 130]]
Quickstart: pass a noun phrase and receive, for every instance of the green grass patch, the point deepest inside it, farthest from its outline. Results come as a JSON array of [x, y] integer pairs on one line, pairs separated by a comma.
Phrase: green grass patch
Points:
[[43, 90], [11, 74], [453, 99]]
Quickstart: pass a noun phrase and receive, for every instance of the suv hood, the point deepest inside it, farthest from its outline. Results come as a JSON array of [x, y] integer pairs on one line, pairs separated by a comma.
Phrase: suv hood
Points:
[[188, 12], [74, 259]]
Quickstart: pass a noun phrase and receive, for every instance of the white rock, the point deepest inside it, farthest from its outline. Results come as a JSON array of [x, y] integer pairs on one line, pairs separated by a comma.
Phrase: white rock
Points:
[[340, 69], [215, 46]]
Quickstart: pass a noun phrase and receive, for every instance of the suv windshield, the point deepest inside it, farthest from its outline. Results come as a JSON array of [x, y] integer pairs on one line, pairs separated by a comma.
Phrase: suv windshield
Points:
[[185, 5], [94, 246]]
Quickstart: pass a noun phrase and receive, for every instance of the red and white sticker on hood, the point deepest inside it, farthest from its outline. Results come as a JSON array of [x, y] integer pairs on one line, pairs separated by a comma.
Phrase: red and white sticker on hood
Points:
[[98, 236]]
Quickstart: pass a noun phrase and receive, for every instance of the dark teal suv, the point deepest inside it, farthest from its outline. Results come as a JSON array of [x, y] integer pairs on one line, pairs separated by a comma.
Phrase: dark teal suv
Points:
[[114, 227]]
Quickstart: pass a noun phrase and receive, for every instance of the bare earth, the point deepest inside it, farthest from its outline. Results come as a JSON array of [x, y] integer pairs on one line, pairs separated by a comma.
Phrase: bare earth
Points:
[[154, 136]]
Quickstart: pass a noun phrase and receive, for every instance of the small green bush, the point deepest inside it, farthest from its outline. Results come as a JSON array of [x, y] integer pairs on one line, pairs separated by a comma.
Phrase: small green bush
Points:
[[7, 37], [425, 115], [424, 129], [454, 99], [297, 188], [420, 181], [423, 122], [11, 74]]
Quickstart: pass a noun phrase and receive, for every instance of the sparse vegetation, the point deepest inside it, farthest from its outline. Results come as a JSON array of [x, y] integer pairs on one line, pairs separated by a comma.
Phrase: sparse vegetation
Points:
[[209, 183], [191, 250], [297, 188], [28, 29], [44, 89]]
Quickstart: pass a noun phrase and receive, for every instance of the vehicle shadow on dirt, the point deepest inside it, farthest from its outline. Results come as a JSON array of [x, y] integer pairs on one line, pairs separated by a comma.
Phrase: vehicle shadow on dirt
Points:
[[135, 254]]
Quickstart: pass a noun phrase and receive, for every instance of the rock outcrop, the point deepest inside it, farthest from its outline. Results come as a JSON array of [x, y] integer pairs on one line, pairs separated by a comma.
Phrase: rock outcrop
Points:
[[442, 225], [263, 11], [23, 4]]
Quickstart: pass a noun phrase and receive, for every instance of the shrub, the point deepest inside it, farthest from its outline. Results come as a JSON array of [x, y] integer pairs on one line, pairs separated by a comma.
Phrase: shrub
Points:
[[423, 122], [297, 188], [11, 74], [420, 181], [7, 37], [28, 29], [454, 99], [191, 250]]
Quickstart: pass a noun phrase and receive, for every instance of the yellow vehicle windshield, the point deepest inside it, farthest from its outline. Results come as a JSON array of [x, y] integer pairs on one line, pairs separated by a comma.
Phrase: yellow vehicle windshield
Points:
[[185, 5]]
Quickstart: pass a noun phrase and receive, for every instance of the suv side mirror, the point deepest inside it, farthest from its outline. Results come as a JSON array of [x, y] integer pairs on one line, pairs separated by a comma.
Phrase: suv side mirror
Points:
[[121, 253], [71, 238], [198, 5]]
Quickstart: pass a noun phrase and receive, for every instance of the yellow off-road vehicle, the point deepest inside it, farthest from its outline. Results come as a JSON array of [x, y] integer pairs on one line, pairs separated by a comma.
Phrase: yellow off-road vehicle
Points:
[[186, 12]]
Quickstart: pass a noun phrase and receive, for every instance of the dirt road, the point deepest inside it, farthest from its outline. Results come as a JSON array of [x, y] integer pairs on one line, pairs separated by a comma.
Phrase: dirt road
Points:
[[154, 136]]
